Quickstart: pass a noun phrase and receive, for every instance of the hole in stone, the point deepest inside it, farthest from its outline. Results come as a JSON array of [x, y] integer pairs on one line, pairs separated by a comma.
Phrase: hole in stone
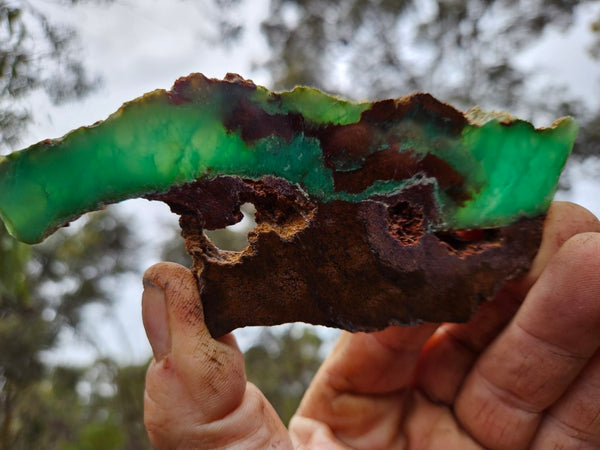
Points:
[[235, 237], [473, 241], [405, 223]]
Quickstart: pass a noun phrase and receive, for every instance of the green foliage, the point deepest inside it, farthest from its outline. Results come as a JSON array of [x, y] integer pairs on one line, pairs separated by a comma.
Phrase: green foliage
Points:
[[16, 255], [53, 413], [588, 141], [283, 365], [44, 290], [71, 269], [20, 365], [114, 410]]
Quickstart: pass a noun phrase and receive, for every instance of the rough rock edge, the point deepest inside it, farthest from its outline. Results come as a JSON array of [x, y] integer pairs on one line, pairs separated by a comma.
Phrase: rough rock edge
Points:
[[356, 266]]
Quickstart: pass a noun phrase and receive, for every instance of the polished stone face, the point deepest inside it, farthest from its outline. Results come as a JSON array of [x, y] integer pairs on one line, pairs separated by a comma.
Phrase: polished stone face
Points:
[[369, 214], [487, 172]]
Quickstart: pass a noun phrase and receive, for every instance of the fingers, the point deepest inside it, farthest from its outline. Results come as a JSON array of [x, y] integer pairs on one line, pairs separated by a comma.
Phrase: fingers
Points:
[[196, 393], [376, 363], [358, 392], [185, 346], [574, 422], [563, 221], [311, 434], [535, 359], [450, 354]]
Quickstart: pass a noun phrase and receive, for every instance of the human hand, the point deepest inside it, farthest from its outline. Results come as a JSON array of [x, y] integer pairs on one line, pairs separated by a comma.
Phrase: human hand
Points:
[[523, 373]]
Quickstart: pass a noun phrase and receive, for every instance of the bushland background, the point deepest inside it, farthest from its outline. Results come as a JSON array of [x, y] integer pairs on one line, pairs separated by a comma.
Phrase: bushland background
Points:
[[72, 348]]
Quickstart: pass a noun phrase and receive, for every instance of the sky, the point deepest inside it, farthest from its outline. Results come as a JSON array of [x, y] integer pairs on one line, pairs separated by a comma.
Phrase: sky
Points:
[[140, 45], [565, 57]]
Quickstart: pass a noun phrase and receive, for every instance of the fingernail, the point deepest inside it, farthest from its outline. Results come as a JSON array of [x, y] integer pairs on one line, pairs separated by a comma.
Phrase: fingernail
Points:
[[155, 318]]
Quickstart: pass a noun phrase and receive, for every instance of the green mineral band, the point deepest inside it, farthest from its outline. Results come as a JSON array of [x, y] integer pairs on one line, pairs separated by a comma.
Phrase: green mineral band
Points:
[[205, 128]]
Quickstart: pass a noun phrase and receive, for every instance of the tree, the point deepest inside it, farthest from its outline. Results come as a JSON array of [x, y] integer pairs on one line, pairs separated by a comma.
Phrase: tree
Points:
[[114, 409], [588, 143], [98, 407], [18, 366], [43, 290], [282, 365], [460, 50], [35, 54], [595, 28]]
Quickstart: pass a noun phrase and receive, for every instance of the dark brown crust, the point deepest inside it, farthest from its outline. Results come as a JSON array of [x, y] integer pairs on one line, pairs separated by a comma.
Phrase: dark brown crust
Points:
[[390, 164], [254, 123], [356, 266]]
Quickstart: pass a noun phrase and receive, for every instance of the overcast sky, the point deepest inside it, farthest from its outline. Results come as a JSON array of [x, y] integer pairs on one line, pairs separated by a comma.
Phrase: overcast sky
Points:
[[140, 45]]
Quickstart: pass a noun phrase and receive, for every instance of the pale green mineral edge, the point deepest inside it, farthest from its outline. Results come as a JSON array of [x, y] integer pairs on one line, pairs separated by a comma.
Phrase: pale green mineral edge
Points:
[[522, 167], [151, 144]]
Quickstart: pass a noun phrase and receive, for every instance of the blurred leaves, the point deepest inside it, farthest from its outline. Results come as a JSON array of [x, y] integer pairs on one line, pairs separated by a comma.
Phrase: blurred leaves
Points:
[[595, 28], [44, 290], [588, 141], [283, 364], [71, 269], [308, 38], [461, 50], [99, 407], [35, 54]]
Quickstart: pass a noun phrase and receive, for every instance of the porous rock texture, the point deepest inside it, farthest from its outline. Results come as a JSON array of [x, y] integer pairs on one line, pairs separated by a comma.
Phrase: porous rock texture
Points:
[[356, 266]]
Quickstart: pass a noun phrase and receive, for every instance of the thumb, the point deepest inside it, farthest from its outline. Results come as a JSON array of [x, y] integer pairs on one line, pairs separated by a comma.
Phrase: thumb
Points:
[[196, 392]]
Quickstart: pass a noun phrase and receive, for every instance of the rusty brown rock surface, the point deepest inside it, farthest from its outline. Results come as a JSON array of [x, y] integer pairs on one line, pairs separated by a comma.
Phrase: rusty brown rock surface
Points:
[[360, 204], [356, 266]]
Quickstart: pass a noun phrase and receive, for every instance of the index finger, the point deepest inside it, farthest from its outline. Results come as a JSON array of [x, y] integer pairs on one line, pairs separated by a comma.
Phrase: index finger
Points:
[[359, 389], [563, 221], [539, 354], [375, 363], [449, 355]]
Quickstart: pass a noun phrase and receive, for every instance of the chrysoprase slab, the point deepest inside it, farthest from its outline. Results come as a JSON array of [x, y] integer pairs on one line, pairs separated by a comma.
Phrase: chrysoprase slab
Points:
[[485, 170], [359, 206]]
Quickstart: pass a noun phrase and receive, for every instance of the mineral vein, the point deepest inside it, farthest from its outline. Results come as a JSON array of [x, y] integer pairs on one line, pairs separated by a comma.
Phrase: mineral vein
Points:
[[487, 172]]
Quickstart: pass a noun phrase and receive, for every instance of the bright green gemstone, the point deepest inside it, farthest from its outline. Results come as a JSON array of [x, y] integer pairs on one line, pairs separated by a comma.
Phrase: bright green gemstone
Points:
[[205, 128], [521, 166]]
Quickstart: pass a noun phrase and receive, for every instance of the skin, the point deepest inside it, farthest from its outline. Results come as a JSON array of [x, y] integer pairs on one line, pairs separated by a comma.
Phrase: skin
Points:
[[523, 373]]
